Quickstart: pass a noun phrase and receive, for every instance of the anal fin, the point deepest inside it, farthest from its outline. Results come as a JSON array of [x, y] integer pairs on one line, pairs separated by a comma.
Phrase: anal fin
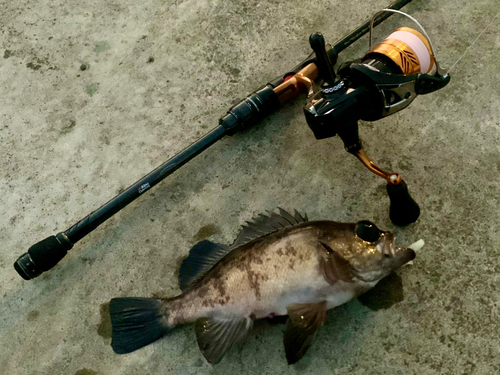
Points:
[[304, 320], [216, 335]]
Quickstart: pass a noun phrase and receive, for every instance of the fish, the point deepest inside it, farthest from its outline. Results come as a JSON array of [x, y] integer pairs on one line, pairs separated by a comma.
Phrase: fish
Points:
[[280, 264]]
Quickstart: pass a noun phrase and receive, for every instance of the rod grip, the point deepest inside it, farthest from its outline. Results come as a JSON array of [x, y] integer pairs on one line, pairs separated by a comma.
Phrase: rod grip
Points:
[[404, 210], [42, 256], [250, 110]]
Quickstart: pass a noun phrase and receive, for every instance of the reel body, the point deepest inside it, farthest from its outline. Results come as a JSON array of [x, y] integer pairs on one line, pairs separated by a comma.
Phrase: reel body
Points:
[[385, 81], [380, 84]]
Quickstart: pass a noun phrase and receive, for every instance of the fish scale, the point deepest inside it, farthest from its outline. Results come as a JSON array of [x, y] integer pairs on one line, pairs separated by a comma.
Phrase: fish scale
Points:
[[255, 280]]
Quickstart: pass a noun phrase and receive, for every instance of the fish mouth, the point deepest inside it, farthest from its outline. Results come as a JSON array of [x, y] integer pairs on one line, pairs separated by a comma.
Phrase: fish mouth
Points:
[[402, 256]]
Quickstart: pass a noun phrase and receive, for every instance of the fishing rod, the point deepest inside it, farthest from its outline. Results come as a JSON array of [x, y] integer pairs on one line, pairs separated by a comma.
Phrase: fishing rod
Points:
[[386, 80]]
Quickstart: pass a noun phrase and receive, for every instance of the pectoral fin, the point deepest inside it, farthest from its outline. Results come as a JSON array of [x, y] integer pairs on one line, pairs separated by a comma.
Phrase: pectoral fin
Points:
[[217, 335], [334, 267], [303, 322]]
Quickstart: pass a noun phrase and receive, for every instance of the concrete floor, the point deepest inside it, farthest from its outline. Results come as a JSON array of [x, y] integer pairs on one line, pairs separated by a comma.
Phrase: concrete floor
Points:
[[94, 94]]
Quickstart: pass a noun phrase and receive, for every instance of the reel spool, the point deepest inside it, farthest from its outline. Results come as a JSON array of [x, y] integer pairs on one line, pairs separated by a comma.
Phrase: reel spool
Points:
[[405, 51]]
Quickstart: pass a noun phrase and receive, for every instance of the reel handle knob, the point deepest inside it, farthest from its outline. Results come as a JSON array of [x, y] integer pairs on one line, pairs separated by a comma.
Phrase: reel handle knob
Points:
[[404, 210], [325, 66]]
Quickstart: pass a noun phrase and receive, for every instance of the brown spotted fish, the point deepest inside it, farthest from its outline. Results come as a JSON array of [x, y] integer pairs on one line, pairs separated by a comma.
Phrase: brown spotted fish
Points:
[[279, 265]]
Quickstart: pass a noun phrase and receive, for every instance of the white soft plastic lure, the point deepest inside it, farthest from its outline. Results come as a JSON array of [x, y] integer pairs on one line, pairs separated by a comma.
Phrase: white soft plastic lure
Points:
[[416, 247]]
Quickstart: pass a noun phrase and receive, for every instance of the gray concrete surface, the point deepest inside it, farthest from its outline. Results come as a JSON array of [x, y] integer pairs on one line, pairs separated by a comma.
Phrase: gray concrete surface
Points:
[[96, 93]]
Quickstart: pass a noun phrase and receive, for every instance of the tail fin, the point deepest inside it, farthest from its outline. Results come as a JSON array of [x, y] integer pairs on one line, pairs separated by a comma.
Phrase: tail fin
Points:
[[136, 322]]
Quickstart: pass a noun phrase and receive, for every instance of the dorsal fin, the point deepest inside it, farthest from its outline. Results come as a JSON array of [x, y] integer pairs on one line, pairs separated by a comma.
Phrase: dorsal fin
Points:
[[202, 257], [205, 254], [263, 225]]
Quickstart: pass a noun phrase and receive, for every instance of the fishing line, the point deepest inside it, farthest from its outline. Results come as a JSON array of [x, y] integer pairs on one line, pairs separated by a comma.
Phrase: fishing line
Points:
[[433, 57], [403, 14], [474, 42], [427, 36]]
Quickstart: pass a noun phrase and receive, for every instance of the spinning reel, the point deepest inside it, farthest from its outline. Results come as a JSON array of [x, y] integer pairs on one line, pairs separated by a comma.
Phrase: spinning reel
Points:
[[386, 80]]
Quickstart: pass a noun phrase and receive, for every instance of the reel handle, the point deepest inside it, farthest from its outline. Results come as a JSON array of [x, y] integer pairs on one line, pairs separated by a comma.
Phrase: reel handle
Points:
[[403, 210]]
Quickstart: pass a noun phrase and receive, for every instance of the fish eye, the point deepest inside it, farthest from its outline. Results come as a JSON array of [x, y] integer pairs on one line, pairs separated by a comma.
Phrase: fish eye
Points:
[[368, 231]]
